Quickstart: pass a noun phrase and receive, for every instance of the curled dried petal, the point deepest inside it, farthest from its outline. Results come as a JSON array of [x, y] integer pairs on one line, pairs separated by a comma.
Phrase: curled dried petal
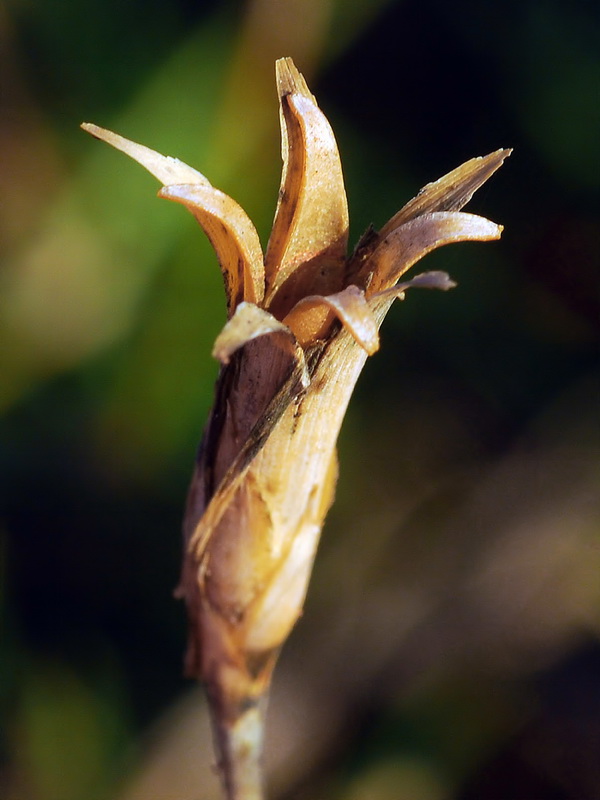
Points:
[[232, 235], [451, 192], [310, 231], [226, 224], [248, 323], [405, 245], [310, 319]]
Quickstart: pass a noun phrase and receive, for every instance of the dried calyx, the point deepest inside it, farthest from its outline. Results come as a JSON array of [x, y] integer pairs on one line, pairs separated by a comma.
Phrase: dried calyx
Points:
[[301, 323]]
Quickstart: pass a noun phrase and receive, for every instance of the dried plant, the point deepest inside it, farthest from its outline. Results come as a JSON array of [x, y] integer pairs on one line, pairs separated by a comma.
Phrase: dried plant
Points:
[[301, 323]]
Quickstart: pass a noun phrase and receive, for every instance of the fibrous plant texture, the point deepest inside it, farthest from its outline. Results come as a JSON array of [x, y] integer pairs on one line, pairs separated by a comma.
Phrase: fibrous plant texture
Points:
[[301, 323]]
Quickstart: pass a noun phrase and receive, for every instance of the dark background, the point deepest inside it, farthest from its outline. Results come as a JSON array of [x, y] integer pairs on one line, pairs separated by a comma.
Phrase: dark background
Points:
[[449, 649]]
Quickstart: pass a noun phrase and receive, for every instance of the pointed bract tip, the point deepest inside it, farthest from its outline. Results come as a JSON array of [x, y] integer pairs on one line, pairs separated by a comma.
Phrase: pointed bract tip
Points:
[[451, 192], [290, 80], [95, 130], [166, 169], [496, 158]]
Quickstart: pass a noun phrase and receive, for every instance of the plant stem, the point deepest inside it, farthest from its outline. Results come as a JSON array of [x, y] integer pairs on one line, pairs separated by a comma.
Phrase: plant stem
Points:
[[239, 743]]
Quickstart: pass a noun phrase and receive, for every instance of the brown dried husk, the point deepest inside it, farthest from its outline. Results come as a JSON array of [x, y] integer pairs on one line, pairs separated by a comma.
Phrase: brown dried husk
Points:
[[300, 327]]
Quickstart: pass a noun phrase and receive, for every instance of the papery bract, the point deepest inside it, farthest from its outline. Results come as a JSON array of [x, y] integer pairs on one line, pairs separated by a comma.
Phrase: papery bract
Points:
[[300, 326]]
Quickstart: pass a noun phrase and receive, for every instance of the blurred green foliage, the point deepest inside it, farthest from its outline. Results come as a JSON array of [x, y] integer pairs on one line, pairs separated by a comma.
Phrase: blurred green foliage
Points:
[[110, 301]]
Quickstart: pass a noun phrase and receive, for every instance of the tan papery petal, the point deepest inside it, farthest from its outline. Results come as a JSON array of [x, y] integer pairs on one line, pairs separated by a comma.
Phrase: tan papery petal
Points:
[[226, 224], [311, 318], [233, 237], [425, 280], [164, 168], [310, 231], [248, 323], [410, 242], [450, 193]]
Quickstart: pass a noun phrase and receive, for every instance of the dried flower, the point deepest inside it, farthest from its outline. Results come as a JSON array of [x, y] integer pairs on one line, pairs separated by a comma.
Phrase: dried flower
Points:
[[301, 324]]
